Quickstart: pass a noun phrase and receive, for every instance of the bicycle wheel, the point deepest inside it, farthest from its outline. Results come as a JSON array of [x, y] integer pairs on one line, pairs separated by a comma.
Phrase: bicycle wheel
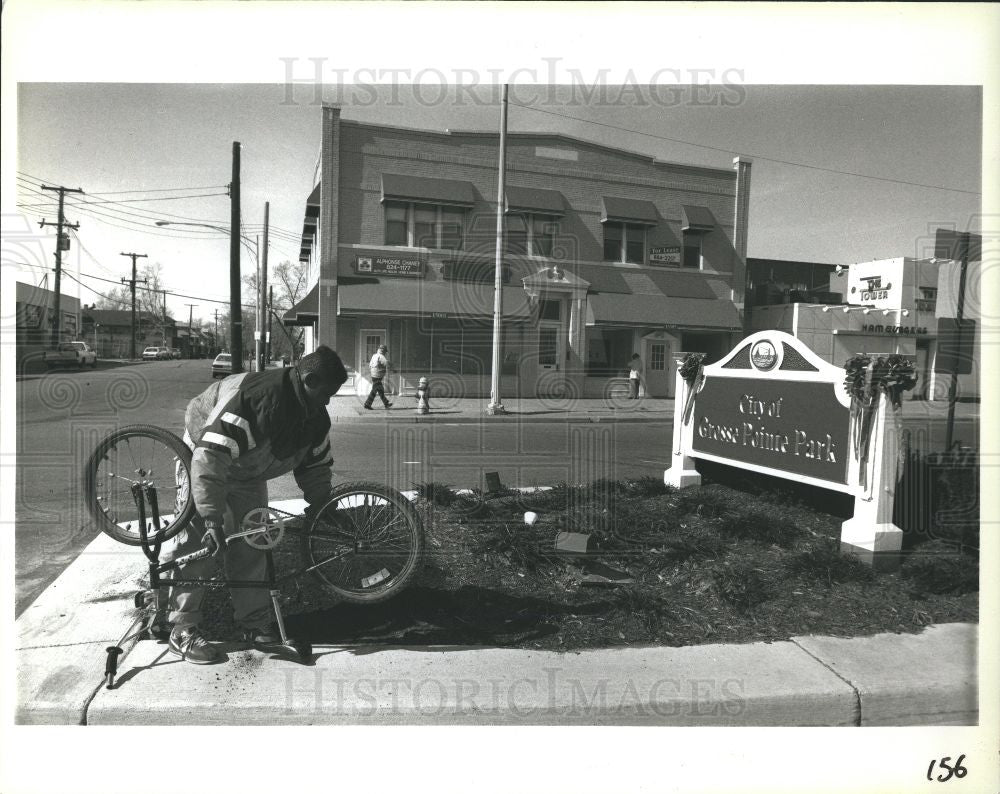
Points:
[[365, 544], [146, 460]]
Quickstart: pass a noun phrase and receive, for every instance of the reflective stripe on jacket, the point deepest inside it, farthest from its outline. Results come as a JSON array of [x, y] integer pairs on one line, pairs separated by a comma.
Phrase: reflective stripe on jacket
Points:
[[256, 426]]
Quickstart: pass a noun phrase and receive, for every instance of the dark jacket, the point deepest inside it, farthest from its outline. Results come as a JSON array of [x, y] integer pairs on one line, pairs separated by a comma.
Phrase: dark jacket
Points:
[[256, 426]]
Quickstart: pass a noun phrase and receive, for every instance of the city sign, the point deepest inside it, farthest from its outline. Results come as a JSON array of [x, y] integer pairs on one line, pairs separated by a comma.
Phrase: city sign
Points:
[[774, 407]]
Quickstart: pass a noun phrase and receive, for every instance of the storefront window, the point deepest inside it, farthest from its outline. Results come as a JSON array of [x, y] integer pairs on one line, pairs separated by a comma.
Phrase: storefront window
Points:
[[424, 226], [608, 351], [517, 233], [395, 225], [692, 250], [447, 346], [624, 242]]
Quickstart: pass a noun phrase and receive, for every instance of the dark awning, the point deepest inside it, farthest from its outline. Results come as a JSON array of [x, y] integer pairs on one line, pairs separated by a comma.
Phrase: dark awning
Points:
[[453, 192], [697, 219], [647, 310], [312, 203], [309, 222], [535, 199], [430, 299], [306, 311], [629, 211]]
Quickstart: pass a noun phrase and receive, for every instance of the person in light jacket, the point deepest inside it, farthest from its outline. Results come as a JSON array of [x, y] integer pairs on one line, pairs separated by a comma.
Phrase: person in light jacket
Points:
[[379, 366], [634, 376]]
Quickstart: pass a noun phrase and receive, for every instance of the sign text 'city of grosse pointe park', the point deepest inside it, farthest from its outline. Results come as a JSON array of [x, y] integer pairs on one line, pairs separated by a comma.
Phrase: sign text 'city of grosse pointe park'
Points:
[[774, 407]]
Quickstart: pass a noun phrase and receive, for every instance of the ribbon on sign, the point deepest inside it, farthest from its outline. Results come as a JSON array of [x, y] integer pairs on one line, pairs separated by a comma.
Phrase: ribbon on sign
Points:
[[692, 370], [865, 380]]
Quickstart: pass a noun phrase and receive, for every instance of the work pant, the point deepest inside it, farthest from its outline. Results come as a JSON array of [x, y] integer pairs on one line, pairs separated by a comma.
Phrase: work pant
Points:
[[633, 388], [376, 389], [251, 606]]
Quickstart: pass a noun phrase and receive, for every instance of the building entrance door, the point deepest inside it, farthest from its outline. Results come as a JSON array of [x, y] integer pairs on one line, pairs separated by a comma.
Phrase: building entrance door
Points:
[[368, 341], [551, 354], [655, 359]]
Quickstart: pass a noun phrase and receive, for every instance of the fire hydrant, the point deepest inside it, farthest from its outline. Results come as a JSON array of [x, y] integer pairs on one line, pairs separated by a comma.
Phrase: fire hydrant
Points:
[[423, 396]]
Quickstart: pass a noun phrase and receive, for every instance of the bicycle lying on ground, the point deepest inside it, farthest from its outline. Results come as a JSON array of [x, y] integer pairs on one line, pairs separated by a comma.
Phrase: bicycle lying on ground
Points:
[[363, 545]]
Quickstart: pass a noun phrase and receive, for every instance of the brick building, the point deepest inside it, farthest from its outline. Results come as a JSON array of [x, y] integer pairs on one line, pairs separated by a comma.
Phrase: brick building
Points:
[[607, 253]]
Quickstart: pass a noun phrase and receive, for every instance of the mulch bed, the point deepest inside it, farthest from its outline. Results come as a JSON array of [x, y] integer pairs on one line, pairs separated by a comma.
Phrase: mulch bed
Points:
[[709, 565]]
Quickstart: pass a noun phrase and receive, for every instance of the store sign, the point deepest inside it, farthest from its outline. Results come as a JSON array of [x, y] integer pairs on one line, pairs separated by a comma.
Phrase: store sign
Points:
[[898, 330], [799, 428], [389, 266], [665, 255]]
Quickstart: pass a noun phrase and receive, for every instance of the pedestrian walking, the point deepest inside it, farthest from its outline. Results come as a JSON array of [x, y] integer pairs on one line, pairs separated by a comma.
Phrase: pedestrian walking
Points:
[[378, 366], [634, 376], [245, 430]]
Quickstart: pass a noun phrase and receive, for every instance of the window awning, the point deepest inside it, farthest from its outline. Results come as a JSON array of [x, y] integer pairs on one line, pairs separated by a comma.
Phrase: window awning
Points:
[[306, 311], [453, 192], [309, 222], [629, 210], [646, 310], [430, 299], [534, 199], [697, 219]]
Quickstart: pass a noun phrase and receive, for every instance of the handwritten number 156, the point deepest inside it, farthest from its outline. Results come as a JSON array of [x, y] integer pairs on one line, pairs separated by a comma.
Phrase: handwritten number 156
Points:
[[950, 771]]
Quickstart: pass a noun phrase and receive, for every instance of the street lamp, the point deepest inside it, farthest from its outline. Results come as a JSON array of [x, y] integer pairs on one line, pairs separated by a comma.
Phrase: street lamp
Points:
[[235, 299]]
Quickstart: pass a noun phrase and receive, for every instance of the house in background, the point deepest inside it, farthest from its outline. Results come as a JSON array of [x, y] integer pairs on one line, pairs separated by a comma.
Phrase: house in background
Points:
[[109, 331], [607, 253], [34, 320]]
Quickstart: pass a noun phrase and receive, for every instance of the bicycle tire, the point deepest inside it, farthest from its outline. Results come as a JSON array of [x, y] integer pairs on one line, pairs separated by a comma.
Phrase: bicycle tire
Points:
[[379, 572], [92, 491]]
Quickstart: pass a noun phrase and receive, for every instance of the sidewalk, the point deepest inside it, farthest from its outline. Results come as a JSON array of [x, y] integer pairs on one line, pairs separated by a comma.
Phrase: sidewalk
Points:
[[888, 679], [350, 408]]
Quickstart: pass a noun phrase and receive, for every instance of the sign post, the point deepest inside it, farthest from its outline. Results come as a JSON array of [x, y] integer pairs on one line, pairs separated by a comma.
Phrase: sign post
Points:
[[772, 406]]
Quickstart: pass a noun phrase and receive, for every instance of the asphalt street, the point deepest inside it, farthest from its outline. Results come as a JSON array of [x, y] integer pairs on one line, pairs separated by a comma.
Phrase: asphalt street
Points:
[[61, 417]]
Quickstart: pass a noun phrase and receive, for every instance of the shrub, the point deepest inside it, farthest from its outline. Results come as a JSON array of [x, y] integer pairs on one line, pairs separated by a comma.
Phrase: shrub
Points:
[[766, 524], [935, 570], [513, 544], [436, 493], [740, 585], [828, 564]]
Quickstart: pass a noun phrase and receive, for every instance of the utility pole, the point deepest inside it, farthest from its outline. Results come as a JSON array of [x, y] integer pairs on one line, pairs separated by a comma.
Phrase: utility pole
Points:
[[496, 405], [235, 287], [62, 244], [270, 314], [260, 338], [217, 329], [131, 283], [190, 338]]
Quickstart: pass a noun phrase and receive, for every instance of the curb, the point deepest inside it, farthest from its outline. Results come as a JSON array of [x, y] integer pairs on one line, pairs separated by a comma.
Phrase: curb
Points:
[[888, 679], [506, 418]]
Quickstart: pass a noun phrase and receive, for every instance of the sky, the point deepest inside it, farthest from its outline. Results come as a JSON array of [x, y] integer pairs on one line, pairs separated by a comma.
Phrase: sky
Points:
[[148, 152], [150, 96]]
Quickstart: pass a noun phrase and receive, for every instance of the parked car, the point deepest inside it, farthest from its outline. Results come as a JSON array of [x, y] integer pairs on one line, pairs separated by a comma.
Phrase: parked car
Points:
[[156, 354], [175, 352], [71, 354], [222, 366]]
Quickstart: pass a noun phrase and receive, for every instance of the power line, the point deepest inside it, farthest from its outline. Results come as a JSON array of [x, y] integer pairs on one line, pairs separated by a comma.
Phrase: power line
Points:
[[748, 154]]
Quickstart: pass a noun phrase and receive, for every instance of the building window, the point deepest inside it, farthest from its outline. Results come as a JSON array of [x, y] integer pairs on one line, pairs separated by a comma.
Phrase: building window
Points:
[[608, 351], [624, 242], [657, 357], [531, 234], [692, 251], [927, 302], [423, 226]]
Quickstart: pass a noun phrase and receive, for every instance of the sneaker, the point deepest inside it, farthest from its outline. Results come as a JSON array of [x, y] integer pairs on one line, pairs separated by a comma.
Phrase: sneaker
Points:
[[388, 406], [368, 408], [188, 643]]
